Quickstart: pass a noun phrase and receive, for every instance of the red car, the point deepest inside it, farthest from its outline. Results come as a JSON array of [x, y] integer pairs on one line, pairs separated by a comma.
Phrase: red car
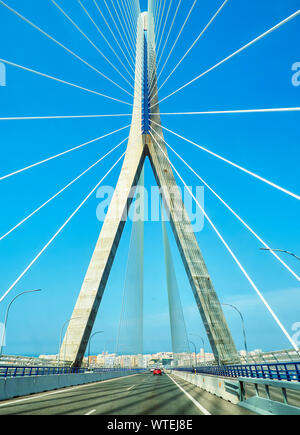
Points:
[[157, 372]]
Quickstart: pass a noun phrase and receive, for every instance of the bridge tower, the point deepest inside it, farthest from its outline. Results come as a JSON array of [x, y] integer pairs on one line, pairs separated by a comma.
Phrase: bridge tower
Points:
[[140, 146]]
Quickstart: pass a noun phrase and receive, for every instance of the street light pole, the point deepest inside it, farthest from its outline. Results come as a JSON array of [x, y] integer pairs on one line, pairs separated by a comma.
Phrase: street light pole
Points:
[[60, 341], [6, 314], [195, 352], [89, 347], [201, 338], [243, 326], [280, 250]]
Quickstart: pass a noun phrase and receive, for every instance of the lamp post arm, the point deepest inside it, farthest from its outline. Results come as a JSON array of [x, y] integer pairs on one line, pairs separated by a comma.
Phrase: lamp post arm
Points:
[[7, 311], [89, 347], [281, 250], [243, 326]]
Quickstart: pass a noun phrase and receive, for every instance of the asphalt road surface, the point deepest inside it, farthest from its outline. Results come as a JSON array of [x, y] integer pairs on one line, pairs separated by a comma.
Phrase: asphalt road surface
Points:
[[142, 394]]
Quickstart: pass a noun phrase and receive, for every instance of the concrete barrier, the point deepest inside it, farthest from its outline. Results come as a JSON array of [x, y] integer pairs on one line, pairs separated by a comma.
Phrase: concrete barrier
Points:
[[224, 388], [24, 386]]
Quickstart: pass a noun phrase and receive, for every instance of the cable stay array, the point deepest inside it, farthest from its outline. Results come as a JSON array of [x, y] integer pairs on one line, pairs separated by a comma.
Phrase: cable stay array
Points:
[[26, 168], [61, 191], [253, 285], [230, 209], [74, 85], [59, 231], [270, 183], [68, 50], [132, 65], [240, 50], [153, 95], [176, 41], [189, 50]]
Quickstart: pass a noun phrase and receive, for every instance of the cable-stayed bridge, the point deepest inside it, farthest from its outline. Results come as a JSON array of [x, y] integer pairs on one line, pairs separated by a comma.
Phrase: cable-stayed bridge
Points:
[[136, 48]]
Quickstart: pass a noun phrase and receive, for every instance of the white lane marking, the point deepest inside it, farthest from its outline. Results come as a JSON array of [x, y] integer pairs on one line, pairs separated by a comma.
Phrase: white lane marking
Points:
[[130, 388], [64, 390], [91, 412], [202, 409]]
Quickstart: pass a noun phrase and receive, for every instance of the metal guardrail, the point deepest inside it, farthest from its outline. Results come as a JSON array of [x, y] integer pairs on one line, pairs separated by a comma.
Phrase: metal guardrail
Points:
[[279, 356], [17, 371], [279, 371], [269, 397]]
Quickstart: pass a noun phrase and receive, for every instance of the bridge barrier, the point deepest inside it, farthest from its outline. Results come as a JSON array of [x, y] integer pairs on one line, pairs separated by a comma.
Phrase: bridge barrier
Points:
[[262, 396], [17, 386], [227, 389]]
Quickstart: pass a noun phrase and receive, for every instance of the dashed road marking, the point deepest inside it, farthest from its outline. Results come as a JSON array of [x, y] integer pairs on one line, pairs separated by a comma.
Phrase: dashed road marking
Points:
[[91, 412], [130, 388]]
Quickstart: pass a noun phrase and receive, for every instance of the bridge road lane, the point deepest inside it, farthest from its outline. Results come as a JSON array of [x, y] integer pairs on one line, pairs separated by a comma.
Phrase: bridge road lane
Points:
[[143, 394]]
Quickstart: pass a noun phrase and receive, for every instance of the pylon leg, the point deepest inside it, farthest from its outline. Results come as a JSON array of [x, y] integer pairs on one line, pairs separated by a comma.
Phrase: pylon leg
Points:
[[205, 295], [88, 302]]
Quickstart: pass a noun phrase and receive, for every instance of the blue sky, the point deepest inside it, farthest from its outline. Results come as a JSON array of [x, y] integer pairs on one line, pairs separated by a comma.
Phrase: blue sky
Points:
[[268, 144]]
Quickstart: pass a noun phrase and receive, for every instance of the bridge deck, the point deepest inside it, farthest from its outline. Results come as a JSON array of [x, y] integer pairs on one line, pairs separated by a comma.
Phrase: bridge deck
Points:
[[143, 394]]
